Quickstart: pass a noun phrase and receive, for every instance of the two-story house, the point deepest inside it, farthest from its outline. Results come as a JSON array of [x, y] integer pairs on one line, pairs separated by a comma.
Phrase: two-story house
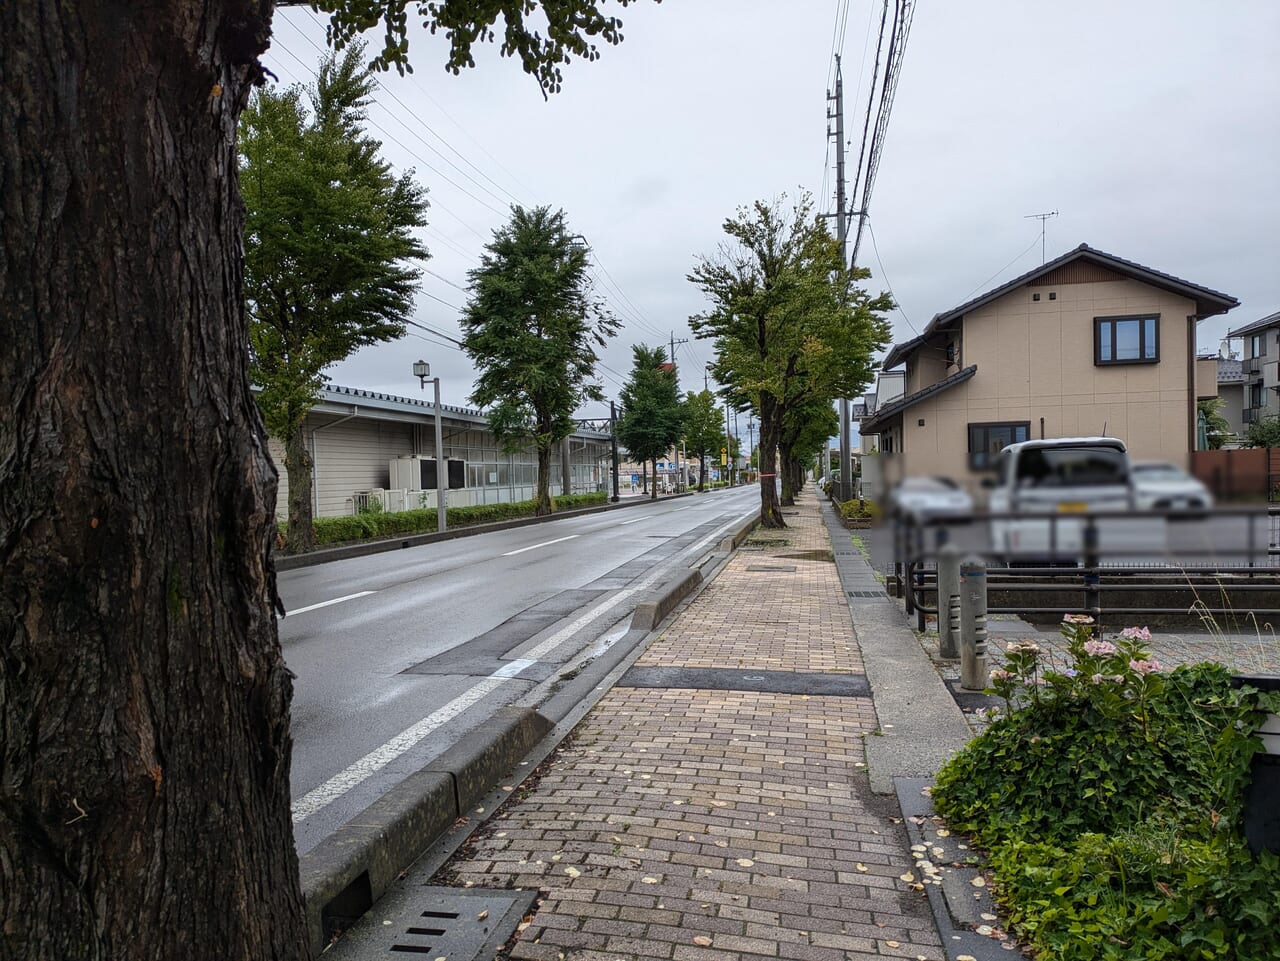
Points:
[[1086, 344], [1260, 370]]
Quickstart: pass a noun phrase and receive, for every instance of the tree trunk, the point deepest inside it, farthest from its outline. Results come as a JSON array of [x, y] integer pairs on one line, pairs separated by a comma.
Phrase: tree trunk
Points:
[[770, 511], [144, 702], [787, 472], [542, 497], [301, 536], [702, 471], [653, 493]]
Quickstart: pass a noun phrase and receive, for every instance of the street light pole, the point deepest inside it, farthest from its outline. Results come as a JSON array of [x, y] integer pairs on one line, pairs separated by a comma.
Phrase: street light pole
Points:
[[422, 371], [613, 446]]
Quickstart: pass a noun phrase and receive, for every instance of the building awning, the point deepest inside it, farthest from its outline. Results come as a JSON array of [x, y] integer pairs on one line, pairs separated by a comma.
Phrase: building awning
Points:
[[881, 418]]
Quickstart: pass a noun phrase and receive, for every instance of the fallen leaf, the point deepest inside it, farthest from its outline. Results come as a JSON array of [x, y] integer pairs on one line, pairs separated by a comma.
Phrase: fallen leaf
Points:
[[906, 877], [648, 880], [572, 871], [860, 866], [482, 915], [989, 917], [745, 862], [893, 944], [702, 941], [979, 882], [918, 847], [965, 957], [943, 833], [985, 930], [719, 804]]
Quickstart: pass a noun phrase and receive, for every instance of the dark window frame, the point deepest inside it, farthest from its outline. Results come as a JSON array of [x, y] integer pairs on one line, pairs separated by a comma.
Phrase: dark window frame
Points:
[[1140, 320], [984, 460], [1257, 341]]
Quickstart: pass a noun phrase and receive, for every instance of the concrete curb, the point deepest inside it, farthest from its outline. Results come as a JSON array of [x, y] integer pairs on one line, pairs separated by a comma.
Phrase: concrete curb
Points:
[[734, 540], [649, 614], [352, 868]]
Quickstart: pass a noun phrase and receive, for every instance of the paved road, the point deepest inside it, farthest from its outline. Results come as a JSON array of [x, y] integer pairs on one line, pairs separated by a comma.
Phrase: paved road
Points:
[[396, 654]]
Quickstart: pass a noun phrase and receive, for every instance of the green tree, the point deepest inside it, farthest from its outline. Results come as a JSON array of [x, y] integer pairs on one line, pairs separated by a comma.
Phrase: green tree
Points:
[[144, 698], [328, 243], [703, 429], [790, 325], [652, 414], [532, 329], [1218, 428], [1264, 432]]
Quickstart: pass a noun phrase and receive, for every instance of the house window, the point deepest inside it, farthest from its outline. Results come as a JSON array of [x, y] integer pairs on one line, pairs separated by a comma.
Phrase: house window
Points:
[[987, 440], [1126, 340], [951, 352], [1255, 396], [1258, 345]]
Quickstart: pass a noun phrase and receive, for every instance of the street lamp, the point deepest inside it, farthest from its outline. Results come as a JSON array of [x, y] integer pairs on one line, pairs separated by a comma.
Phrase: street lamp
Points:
[[422, 370]]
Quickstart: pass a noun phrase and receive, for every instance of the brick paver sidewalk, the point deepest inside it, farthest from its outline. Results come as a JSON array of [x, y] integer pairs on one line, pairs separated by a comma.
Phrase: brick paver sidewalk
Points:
[[706, 825]]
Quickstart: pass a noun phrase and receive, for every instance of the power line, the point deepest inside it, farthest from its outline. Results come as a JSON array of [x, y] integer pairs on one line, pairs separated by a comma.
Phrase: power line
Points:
[[885, 274], [1035, 240]]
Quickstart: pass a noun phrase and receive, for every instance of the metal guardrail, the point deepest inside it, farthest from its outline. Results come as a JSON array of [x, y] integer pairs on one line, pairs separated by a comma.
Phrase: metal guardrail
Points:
[[1253, 565]]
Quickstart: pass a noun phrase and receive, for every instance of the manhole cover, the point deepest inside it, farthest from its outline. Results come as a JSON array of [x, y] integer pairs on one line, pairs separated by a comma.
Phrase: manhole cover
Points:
[[772, 567], [426, 921]]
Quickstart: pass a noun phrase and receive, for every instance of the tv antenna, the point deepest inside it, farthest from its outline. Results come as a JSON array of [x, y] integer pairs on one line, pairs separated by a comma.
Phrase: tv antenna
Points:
[[1042, 218]]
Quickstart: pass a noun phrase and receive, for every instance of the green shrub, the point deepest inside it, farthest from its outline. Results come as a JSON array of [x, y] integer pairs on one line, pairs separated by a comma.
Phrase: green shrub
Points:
[[380, 524], [859, 509], [1110, 796]]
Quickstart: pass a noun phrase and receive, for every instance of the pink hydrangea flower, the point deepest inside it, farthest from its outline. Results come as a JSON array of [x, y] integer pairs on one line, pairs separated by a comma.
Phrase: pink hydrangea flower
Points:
[[1099, 648], [999, 675], [1076, 619], [1146, 667], [1136, 634], [1097, 679], [1020, 647]]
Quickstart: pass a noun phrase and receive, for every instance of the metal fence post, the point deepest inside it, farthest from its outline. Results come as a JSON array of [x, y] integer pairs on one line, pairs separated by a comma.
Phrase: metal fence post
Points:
[[973, 624], [1092, 574], [948, 589]]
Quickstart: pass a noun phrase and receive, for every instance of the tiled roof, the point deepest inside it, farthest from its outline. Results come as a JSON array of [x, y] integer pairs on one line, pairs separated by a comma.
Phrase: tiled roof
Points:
[[1271, 320]]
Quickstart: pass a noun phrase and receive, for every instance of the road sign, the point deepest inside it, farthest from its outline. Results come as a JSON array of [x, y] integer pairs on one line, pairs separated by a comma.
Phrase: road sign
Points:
[[724, 456]]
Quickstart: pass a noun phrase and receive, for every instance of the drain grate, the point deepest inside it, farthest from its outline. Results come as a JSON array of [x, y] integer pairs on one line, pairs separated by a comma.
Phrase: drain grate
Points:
[[772, 567], [426, 921], [867, 594], [756, 681]]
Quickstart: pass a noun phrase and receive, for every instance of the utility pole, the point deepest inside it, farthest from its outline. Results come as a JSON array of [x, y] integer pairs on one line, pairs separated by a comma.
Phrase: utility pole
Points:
[[728, 445], [842, 234], [676, 374], [613, 446]]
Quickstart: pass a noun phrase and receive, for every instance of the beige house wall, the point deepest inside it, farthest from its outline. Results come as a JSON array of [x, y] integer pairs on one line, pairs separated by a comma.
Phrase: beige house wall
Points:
[[1036, 360]]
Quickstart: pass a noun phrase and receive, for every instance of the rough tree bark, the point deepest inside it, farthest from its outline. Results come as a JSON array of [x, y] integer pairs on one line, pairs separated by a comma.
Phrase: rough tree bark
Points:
[[653, 494], [301, 536], [787, 473], [144, 702], [542, 504], [770, 510]]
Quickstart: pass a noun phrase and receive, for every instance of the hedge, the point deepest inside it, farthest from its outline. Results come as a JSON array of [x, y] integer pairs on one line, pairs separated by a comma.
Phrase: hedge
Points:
[[338, 530]]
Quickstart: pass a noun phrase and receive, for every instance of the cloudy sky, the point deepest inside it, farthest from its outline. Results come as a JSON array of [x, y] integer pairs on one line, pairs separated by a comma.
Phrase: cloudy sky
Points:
[[1151, 126]]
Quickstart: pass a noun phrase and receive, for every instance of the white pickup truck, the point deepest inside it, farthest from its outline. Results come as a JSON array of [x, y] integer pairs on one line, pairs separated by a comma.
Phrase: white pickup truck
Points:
[[1066, 477]]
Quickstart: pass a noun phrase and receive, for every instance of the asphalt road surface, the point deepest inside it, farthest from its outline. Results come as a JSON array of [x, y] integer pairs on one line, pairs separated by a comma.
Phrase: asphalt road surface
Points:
[[398, 654]]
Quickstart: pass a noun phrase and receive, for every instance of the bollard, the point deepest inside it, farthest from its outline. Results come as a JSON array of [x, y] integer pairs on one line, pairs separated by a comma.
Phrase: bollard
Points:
[[973, 624], [948, 595]]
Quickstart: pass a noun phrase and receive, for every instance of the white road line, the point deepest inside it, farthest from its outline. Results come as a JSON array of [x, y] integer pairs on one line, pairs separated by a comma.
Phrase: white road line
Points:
[[635, 521], [534, 547], [514, 667], [375, 760], [336, 600]]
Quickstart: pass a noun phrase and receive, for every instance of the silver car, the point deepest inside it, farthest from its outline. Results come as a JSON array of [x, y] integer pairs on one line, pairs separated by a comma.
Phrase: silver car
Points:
[[1163, 487]]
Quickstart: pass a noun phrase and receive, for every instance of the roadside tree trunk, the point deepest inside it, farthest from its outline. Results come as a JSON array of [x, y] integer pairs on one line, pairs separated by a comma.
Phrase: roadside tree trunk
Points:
[[542, 498], [144, 702], [702, 471], [770, 510], [301, 535], [788, 474], [653, 493]]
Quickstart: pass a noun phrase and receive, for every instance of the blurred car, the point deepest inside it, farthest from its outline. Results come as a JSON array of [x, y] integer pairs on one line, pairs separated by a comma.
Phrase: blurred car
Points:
[[928, 498], [1163, 487]]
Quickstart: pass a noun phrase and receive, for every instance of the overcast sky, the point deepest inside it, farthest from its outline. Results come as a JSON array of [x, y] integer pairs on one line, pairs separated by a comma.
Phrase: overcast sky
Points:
[[1151, 126]]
